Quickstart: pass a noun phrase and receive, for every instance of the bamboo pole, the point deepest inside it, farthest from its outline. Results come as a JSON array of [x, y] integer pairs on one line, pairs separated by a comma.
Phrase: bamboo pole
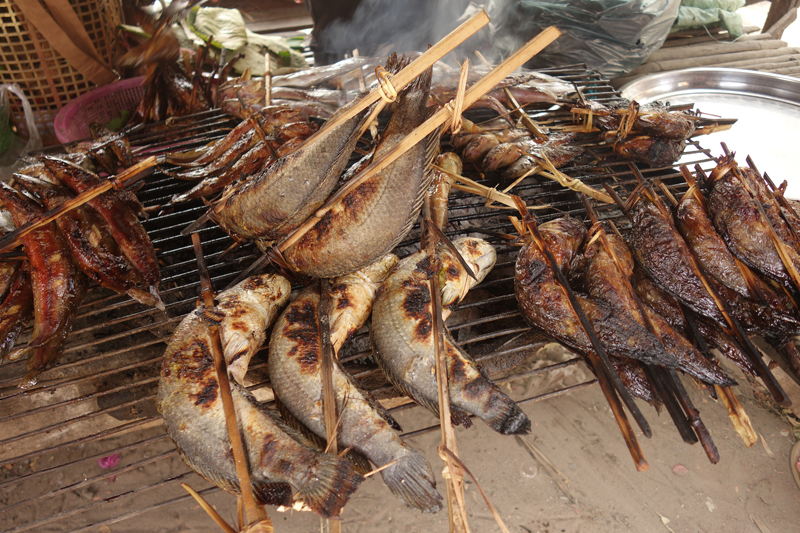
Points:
[[253, 511], [478, 90]]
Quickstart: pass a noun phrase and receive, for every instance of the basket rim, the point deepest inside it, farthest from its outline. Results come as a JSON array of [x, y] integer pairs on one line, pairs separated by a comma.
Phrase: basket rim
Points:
[[68, 112]]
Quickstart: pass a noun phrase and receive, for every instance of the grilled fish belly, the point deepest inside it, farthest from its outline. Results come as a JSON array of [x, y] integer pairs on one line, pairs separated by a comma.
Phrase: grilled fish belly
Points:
[[189, 401]]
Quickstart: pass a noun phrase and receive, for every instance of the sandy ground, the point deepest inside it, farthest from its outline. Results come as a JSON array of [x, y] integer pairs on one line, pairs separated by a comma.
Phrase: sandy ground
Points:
[[749, 490]]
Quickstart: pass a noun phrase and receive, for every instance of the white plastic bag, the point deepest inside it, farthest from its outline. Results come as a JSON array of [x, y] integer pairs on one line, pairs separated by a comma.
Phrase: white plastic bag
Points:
[[17, 147]]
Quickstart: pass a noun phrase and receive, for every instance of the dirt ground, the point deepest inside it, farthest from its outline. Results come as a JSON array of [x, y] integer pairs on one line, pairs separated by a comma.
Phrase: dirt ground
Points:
[[749, 490]]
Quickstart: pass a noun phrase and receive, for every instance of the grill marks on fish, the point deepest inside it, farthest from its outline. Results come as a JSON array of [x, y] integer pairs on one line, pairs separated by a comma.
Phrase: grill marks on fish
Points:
[[364, 425], [192, 411], [403, 343], [370, 220]]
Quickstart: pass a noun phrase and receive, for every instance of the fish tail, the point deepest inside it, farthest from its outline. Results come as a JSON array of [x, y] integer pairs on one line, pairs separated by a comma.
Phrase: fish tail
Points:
[[706, 371], [411, 479], [510, 420], [332, 482], [43, 357], [146, 298]]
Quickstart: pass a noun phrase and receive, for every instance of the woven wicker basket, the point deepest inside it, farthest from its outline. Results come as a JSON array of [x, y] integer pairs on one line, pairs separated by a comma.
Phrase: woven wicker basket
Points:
[[49, 82]]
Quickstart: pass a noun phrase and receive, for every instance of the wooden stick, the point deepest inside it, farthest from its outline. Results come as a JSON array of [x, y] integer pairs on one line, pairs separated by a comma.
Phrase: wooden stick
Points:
[[326, 369], [606, 376], [412, 71], [208, 509], [737, 414], [253, 511], [478, 89], [455, 488], [12, 239]]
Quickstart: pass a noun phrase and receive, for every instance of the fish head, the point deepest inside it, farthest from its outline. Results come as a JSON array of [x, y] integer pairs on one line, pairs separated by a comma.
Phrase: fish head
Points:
[[269, 290], [454, 280]]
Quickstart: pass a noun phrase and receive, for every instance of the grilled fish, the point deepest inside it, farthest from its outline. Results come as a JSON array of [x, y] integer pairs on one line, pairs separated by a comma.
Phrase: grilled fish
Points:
[[246, 311], [16, 308], [274, 202], [370, 220], [364, 425], [120, 220], [58, 285], [403, 344], [188, 400], [544, 303], [93, 248], [441, 182], [604, 281]]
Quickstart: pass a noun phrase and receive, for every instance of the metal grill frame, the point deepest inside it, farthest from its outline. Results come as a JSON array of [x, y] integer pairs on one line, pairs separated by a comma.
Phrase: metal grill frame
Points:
[[104, 389]]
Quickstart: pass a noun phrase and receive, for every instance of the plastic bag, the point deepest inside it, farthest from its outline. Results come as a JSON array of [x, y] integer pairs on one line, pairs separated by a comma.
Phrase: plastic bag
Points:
[[612, 37], [11, 146], [700, 13]]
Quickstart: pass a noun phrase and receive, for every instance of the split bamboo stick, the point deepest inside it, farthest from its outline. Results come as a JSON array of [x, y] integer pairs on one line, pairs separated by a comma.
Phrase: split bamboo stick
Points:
[[478, 90], [253, 511]]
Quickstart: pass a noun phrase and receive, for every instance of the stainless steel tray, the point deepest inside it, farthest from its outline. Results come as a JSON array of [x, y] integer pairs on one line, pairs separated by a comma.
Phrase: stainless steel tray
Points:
[[766, 105]]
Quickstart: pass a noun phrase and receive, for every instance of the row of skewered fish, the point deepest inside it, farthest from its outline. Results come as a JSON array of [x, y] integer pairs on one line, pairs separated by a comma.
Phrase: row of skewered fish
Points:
[[707, 273], [285, 451], [102, 240]]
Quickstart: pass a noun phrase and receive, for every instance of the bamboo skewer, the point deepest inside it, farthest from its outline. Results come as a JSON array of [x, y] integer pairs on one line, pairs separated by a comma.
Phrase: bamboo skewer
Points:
[[254, 512], [609, 380], [475, 92], [12, 239]]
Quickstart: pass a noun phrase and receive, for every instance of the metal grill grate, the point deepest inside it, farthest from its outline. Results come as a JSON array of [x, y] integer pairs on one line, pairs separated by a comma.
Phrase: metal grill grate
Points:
[[102, 394]]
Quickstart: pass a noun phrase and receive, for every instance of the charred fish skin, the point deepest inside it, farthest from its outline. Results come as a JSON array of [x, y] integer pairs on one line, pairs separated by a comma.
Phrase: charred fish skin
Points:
[[739, 223], [379, 212], [294, 368], [93, 248], [120, 219], [188, 400], [246, 311], [278, 199], [403, 344], [545, 305], [16, 309], [58, 285], [606, 282]]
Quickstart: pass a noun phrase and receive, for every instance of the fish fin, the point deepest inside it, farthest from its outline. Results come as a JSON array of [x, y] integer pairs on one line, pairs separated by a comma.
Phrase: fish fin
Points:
[[411, 479], [328, 490], [273, 493], [305, 436], [460, 417]]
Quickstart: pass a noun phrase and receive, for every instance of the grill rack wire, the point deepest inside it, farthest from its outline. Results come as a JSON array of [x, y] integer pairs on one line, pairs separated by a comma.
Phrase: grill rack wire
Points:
[[102, 393]]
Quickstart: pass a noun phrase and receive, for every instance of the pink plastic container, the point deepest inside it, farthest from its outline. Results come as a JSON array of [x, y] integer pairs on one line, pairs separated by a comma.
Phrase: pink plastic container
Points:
[[98, 105]]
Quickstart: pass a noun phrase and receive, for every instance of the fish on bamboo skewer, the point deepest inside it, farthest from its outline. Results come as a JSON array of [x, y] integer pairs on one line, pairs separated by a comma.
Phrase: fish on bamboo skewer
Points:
[[403, 341], [272, 203], [363, 424], [189, 402], [379, 212], [604, 281], [16, 308], [545, 306], [57, 283], [93, 248], [119, 218]]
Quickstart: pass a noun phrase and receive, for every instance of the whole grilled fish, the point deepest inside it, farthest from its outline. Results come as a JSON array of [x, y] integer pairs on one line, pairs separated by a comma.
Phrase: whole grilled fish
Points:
[[364, 425], [370, 220], [120, 219], [92, 246], [279, 198], [58, 284], [604, 281], [545, 305], [403, 344], [16, 308], [188, 400]]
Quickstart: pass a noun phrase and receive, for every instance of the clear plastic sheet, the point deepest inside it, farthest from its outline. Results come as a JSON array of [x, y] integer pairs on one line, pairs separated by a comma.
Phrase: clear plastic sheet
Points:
[[612, 37]]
